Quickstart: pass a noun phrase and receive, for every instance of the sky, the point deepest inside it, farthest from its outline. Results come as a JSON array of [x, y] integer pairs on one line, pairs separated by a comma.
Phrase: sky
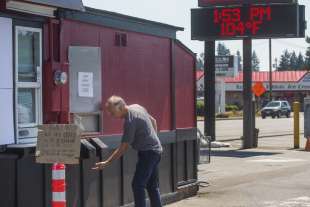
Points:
[[177, 12]]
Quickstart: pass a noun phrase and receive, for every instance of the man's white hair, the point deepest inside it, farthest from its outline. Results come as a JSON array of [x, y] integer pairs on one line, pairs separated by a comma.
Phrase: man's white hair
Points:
[[116, 102]]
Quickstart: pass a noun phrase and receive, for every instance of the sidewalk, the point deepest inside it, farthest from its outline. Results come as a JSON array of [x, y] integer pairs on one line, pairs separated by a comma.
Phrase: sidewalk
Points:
[[272, 175]]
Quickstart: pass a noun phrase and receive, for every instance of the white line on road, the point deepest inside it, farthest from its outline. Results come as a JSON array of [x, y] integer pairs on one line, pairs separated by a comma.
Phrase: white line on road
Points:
[[277, 160], [294, 202]]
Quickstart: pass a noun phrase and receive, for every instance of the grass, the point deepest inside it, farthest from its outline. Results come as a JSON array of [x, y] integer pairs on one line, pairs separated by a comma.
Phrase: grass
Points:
[[229, 114]]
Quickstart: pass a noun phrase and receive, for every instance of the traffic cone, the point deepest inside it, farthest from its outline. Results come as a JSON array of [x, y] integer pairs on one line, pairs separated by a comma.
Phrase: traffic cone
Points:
[[307, 148]]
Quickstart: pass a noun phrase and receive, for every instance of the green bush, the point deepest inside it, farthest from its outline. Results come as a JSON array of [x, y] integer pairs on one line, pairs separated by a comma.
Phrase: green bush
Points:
[[222, 115], [231, 108], [200, 108]]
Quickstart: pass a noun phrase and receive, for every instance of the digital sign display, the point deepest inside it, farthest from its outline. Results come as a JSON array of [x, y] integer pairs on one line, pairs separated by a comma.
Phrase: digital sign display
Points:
[[208, 3], [278, 21]]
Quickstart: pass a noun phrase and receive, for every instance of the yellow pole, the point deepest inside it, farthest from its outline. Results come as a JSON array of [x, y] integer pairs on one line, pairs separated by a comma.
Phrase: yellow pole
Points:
[[296, 108]]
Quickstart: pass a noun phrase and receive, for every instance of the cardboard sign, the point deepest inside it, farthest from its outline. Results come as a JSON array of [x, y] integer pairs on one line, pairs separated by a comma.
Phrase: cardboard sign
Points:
[[58, 143]]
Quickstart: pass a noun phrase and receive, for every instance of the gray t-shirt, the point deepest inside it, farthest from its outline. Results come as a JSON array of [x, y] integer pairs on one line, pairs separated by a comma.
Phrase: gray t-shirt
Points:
[[139, 131]]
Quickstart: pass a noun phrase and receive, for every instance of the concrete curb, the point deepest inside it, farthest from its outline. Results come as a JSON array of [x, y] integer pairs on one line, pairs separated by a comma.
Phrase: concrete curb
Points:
[[260, 137]]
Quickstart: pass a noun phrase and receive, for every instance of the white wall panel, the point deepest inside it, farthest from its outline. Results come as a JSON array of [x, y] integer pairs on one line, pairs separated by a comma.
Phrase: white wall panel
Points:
[[6, 53], [6, 117]]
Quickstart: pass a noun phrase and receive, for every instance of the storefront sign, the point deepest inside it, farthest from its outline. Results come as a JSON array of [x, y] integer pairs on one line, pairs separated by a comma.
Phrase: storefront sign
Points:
[[301, 86], [226, 66], [58, 143]]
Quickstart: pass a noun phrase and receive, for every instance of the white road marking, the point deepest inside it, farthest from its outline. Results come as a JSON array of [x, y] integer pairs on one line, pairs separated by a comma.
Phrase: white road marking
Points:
[[294, 202], [277, 160]]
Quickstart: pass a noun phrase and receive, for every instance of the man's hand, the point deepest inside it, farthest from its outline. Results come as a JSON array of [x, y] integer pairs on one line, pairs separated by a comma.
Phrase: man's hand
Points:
[[115, 155], [100, 165]]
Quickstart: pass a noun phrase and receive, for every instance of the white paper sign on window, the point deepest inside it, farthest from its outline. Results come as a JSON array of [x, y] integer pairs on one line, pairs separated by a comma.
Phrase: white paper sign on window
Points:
[[86, 84]]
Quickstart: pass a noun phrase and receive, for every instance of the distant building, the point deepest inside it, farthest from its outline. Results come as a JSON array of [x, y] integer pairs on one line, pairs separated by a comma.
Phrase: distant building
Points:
[[287, 85]]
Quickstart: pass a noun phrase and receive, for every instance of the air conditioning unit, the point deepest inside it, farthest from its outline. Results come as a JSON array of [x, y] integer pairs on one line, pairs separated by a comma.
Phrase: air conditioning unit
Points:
[[30, 8]]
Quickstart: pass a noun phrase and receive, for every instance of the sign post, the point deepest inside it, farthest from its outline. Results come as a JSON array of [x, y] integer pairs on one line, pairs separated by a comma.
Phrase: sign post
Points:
[[209, 96], [248, 125]]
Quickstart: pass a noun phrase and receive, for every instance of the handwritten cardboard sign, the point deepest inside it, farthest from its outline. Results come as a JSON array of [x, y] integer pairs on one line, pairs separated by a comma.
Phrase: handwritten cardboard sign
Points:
[[58, 143]]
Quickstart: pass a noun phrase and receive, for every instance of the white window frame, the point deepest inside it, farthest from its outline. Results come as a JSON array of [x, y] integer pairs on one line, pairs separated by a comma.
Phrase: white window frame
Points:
[[31, 85]]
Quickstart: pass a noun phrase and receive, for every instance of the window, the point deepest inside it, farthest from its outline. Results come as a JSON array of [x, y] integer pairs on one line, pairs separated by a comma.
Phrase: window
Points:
[[28, 67]]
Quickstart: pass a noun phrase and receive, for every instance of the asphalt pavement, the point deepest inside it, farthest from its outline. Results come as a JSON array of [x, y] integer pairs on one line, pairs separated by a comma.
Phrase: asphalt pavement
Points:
[[272, 175], [230, 129]]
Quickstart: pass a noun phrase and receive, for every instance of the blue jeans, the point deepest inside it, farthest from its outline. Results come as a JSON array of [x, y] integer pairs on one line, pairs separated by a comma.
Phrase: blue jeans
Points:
[[146, 177]]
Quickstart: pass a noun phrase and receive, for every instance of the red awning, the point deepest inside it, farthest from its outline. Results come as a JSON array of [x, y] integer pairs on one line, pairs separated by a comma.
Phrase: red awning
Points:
[[199, 74], [278, 76]]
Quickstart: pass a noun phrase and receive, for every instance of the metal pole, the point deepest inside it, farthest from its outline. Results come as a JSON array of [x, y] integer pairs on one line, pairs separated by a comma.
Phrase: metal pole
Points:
[[296, 108], [248, 128], [255, 133], [270, 70], [209, 92]]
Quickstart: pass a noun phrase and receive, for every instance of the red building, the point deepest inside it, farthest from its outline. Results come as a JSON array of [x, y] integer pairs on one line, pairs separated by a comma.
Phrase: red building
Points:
[[140, 60], [286, 85]]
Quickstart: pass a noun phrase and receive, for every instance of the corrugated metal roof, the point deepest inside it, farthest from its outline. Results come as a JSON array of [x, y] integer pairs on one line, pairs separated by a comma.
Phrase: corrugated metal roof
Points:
[[68, 4], [277, 76]]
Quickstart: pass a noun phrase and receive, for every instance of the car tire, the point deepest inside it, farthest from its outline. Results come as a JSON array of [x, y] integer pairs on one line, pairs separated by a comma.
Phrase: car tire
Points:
[[263, 116], [278, 115], [273, 116], [288, 115]]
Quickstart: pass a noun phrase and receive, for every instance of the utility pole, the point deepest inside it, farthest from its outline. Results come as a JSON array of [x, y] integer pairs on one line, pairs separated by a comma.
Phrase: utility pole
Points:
[[209, 84], [270, 70], [248, 124]]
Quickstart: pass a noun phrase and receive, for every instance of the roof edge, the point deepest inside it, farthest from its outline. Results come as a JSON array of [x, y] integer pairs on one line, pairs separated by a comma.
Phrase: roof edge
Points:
[[121, 22], [178, 42], [92, 10]]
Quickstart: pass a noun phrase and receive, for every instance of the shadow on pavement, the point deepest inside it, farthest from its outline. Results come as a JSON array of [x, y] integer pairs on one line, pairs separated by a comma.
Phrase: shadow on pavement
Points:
[[237, 153]]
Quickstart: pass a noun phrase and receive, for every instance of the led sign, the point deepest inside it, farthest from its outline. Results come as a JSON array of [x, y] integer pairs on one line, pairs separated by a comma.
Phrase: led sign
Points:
[[248, 21], [207, 3]]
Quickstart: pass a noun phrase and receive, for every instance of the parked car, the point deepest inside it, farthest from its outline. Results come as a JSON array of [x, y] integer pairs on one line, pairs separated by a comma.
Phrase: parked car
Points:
[[276, 109]]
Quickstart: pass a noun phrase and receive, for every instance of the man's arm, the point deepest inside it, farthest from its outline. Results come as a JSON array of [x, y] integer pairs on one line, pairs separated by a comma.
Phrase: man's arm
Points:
[[154, 123], [115, 155]]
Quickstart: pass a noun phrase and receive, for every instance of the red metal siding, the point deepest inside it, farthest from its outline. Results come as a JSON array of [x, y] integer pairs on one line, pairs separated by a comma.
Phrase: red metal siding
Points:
[[185, 93], [51, 93], [139, 72]]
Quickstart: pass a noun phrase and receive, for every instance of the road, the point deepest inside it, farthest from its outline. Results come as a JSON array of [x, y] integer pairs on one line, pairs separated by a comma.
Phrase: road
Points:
[[262, 177], [232, 129]]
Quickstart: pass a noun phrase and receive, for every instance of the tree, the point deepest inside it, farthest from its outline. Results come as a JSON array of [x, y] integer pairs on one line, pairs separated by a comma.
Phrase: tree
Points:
[[200, 61], [307, 58], [300, 62], [222, 50], [293, 61], [285, 61], [255, 62], [239, 61]]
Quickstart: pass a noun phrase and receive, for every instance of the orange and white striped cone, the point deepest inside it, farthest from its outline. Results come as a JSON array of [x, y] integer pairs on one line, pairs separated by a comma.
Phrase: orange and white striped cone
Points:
[[307, 148], [59, 185]]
